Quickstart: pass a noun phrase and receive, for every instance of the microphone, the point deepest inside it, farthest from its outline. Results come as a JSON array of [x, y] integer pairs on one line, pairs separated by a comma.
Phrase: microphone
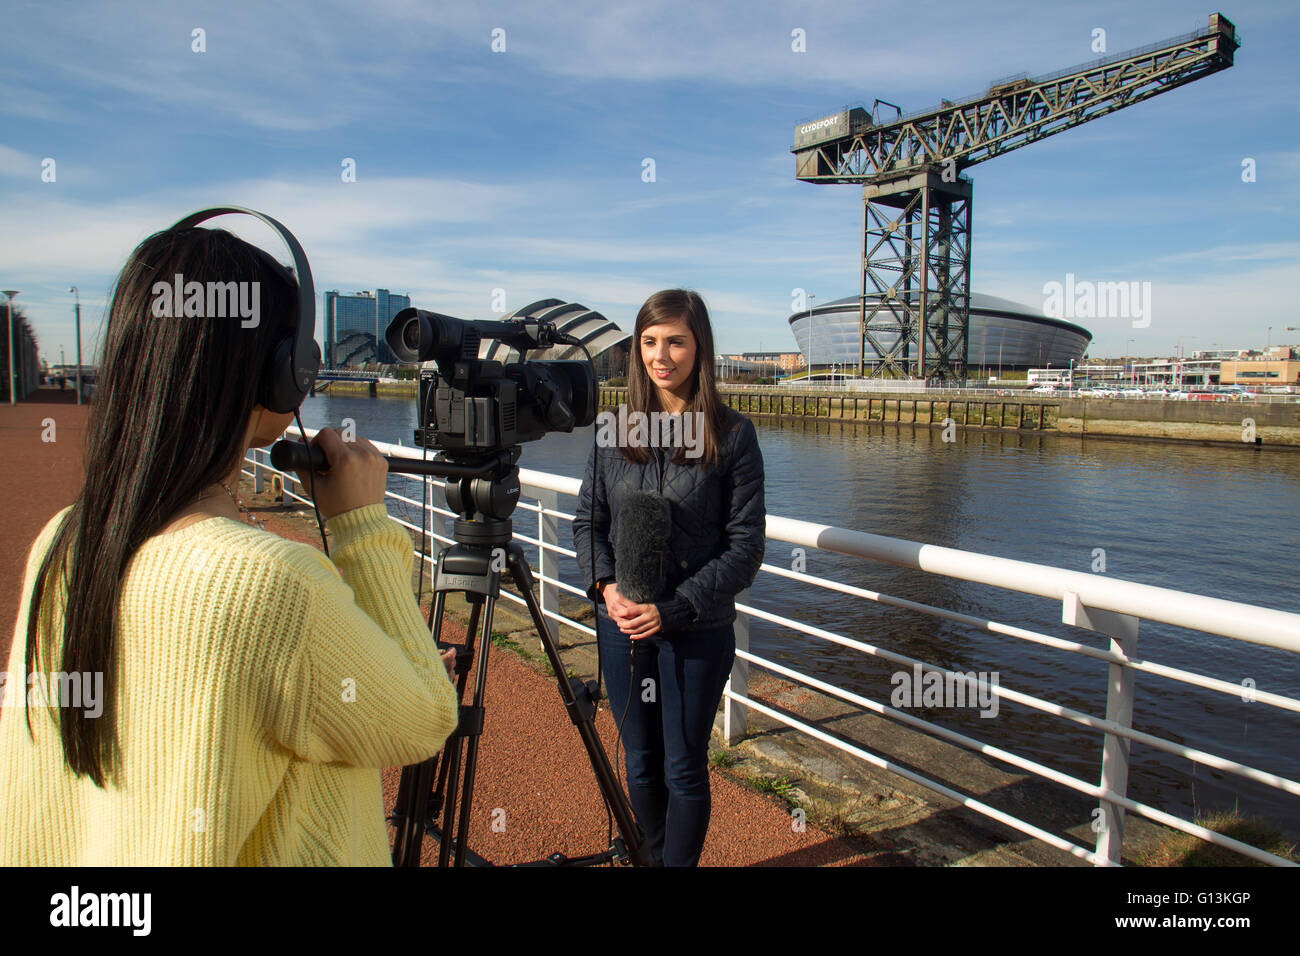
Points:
[[565, 338], [644, 526], [640, 558]]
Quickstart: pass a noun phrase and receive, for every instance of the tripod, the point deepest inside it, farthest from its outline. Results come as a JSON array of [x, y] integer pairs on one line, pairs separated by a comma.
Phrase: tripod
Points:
[[484, 548]]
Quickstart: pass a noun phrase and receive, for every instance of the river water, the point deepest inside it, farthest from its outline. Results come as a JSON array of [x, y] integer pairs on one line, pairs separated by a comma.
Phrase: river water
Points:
[[1223, 522]]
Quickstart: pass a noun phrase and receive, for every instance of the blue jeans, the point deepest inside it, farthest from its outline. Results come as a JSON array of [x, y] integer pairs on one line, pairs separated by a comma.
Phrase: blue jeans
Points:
[[665, 729]]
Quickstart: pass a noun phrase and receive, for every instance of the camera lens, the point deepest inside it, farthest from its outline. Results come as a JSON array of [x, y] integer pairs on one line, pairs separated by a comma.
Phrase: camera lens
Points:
[[411, 335]]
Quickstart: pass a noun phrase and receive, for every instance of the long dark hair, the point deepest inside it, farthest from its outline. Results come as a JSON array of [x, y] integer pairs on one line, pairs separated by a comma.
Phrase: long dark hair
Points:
[[170, 413], [643, 394]]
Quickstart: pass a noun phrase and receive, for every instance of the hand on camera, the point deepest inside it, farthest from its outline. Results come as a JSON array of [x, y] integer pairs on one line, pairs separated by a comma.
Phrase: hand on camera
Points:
[[634, 620], [357, 475]]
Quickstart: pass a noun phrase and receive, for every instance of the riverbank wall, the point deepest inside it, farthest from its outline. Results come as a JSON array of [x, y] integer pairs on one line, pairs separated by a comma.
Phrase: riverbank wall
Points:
[[1236, 423], [1245, 424]]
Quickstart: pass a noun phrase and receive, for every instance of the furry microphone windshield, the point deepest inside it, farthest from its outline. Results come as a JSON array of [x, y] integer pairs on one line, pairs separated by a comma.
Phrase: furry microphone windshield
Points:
[[640, 557]]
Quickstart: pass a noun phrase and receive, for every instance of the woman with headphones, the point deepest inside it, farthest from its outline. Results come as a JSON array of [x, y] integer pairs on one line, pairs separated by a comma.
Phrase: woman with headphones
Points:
[[239, 692]]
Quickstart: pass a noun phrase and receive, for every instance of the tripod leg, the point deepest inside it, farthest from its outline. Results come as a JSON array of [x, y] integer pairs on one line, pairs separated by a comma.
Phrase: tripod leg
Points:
[[415, 792], [450, 776], [581, 707], [412, 791], [410, 810], [474, 728]]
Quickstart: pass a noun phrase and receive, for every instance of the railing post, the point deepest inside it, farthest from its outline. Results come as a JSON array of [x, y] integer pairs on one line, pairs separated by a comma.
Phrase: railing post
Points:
[[548, 531], [735, 714], [1120, 686], [258, 479], [429, 491]]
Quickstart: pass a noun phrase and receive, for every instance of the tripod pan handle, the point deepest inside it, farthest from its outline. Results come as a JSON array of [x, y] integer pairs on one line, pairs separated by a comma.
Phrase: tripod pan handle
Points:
[[295, 456]]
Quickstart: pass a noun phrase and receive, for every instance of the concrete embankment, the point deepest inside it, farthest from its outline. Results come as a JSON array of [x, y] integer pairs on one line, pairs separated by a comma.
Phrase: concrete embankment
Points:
[[1236, 423], [409, 389]]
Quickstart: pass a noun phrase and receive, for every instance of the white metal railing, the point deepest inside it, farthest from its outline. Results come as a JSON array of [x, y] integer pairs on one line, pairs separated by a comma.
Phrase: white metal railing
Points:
[[1101, 604]]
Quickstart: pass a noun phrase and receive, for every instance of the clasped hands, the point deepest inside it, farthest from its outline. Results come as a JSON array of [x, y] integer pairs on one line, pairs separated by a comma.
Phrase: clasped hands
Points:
[[634, 620]]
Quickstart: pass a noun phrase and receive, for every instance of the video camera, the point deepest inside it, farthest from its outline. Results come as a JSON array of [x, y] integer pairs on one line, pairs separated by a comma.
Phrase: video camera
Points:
[[470, 404]]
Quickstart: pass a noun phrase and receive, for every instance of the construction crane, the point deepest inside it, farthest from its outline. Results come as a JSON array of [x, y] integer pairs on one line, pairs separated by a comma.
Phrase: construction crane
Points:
[[916, 238]]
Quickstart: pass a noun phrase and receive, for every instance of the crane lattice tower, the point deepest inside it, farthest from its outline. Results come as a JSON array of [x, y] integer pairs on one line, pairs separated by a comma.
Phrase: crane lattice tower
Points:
[[916, 216]]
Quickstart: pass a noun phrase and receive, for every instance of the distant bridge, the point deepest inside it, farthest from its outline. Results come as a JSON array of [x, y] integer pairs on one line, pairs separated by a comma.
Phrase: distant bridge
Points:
[[327, 375], [346, 375]]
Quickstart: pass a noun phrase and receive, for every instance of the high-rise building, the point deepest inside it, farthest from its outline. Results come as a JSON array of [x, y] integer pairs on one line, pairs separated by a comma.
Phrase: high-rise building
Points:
[[355, 324]]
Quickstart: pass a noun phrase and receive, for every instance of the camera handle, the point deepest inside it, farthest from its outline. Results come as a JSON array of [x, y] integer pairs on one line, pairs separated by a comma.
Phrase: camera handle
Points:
[[288, 455]]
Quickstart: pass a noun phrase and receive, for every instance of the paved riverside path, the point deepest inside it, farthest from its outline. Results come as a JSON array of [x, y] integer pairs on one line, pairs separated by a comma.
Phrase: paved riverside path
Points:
[[533, 777]]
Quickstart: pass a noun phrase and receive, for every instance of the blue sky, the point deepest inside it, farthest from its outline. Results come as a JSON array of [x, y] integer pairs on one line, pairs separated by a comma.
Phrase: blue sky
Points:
[[522, 169]]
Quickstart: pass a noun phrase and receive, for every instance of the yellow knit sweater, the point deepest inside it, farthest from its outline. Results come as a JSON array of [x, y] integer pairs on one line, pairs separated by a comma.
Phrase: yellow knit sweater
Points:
[[261, 688]]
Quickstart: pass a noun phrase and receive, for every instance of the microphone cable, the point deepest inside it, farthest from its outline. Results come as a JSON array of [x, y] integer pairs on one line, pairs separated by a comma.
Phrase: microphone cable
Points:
[[311, 486], [595, 610], [426, 505]]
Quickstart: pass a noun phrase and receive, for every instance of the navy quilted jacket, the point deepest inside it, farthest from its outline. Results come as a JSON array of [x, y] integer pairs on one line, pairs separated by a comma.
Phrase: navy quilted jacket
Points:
[[718, 524]]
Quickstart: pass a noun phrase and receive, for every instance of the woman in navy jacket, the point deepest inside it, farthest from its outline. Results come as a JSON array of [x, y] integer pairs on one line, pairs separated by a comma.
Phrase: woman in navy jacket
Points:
[[711, 477]]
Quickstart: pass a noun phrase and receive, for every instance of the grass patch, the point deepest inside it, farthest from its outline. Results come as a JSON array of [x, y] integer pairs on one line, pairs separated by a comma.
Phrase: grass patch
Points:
[[1183, 849], [723, 759], [781, 787], [504, 641]]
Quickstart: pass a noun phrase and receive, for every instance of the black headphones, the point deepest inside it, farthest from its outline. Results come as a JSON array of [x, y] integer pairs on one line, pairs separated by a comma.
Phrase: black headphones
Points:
[[292, 369]]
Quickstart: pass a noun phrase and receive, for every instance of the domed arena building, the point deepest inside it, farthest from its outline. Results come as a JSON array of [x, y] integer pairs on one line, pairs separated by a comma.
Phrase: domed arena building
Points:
[[1003, 335]]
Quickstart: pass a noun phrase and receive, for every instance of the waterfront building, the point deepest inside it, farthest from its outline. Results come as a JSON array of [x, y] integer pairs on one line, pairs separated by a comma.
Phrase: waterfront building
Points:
[[1279, 366], [355, 324], [783, 362]]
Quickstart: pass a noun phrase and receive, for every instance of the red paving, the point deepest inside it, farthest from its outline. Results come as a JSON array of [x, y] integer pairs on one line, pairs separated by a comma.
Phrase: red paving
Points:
[[533, 777]]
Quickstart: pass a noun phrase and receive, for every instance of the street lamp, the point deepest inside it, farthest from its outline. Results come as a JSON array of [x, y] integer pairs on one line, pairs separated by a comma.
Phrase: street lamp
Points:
[[10, 293], [73, 290]]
